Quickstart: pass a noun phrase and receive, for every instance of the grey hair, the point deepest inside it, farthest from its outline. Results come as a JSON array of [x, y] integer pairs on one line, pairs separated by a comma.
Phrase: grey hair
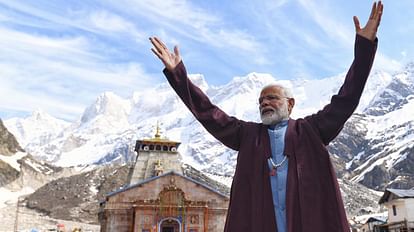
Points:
[[287, 92]]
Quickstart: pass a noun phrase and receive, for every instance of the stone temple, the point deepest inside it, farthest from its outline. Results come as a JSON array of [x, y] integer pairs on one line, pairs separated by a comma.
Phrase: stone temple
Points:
[[164, 195]]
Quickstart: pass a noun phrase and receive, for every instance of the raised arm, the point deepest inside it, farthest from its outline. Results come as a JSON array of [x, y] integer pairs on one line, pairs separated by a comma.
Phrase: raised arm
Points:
[[223, 127], [329, 121]]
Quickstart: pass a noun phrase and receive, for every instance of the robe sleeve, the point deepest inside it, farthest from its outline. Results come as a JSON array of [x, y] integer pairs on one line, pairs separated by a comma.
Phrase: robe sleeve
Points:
[[223, 127], [329, 121]]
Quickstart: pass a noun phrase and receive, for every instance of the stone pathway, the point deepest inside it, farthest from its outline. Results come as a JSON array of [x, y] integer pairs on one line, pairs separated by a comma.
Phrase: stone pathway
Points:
[[29, 219]]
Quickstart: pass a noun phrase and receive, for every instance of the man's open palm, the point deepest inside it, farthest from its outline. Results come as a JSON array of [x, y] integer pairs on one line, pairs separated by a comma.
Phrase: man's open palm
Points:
[[170, 60], [370, 29]]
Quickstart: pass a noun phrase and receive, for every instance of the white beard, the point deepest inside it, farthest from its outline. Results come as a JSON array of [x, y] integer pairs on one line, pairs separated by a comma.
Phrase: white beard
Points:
[[276, 116]]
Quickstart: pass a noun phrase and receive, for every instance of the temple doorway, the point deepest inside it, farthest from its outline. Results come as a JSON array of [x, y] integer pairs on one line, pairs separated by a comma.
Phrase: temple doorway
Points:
[[170, 225], [168, 229]]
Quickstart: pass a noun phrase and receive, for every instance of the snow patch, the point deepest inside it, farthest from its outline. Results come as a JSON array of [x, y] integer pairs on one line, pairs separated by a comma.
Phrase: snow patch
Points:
[[12, 160]]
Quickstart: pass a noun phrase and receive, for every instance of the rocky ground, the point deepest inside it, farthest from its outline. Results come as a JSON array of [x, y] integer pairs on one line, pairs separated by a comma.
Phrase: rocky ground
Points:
[[359, 200], [28, 220], [77, 197]]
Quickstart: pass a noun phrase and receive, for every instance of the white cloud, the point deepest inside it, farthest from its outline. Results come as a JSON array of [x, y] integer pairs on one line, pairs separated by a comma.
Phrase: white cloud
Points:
[[19, 98], [322, 15], [177, 11], [68, 57], [238, 39], [195, 23], [87, 18], [106, 21], [103, 21], [65, 92], [14, 44], [60, 74]]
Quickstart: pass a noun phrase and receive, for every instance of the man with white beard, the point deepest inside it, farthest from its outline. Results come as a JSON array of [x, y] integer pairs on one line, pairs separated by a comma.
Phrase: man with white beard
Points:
[[284, 179], [271, 114]]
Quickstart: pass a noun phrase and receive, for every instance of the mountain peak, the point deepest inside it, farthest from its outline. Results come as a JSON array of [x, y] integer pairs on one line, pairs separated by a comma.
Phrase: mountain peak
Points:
[[108, 103], [254, 80], [199, 80], [40, 115], [107, 98], [251, 83]]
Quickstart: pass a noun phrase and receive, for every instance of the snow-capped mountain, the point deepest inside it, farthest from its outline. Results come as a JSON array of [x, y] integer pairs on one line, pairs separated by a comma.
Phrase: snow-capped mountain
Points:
[[106, 132], [36, 130], [381, 137], [109, 114]]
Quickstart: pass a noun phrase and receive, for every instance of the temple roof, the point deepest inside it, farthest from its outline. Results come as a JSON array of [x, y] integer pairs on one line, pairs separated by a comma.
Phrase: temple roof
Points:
[[190, 174], [157, 138]]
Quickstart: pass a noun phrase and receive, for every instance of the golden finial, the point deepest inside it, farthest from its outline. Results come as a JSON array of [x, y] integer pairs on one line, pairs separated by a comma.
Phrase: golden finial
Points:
[[157, 132]]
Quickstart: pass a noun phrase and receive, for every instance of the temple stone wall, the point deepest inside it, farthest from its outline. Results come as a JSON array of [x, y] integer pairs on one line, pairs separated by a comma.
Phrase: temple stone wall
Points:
[[136, 206], [147, 160]]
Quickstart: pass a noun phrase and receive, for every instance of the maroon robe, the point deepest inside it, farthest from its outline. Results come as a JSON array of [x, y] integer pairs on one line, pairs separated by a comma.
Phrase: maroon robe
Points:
[[313, 198]]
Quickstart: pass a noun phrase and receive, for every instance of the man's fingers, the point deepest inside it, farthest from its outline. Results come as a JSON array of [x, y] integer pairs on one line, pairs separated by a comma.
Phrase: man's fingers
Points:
[[356, 23], [373, 10], [157, 53], [160, 56], [161, 43], [378, 13], [176, 51], [156, 44], [161, 48], [380, 10]]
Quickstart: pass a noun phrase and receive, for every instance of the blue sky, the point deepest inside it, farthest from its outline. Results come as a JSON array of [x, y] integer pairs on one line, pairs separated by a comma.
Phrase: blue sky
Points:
[[59, 55]]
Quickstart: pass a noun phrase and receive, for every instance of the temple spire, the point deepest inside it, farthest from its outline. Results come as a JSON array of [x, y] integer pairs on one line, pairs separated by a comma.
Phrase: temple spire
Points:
[[157, 132]]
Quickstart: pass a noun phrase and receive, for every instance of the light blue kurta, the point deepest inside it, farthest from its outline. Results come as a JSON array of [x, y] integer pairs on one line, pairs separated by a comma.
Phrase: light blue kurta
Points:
[[278, 181]]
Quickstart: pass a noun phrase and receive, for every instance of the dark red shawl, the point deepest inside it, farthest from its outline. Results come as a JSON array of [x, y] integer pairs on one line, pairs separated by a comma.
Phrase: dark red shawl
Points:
[[313, 198]]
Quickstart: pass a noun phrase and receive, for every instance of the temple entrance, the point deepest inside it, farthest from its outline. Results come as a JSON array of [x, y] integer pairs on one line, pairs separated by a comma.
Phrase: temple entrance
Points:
[[168, 229], [170, 225]]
